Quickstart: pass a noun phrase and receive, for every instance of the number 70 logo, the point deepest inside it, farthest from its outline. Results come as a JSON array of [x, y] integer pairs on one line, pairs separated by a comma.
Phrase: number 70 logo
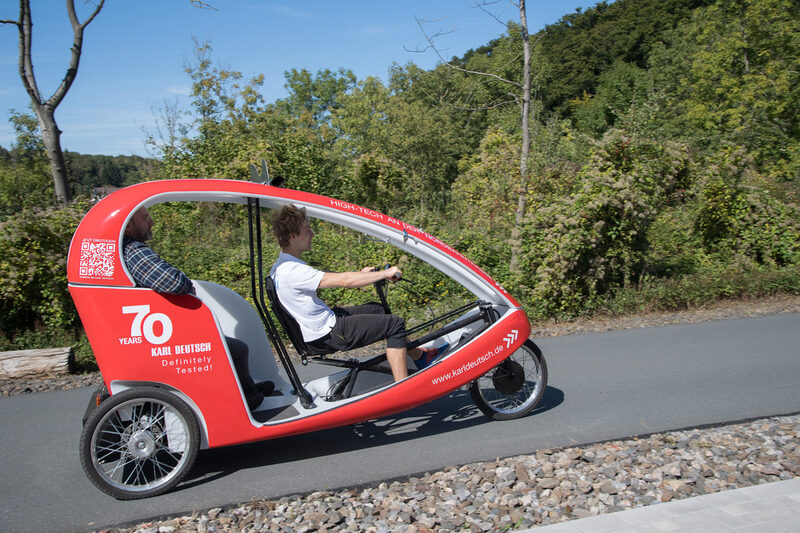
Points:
[[143, 322]]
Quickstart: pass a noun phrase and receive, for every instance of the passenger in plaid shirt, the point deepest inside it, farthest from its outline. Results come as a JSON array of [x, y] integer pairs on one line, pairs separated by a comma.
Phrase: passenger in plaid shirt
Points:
[[149, 270]]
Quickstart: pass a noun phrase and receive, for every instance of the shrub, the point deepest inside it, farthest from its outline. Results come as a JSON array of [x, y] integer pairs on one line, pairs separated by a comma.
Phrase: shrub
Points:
[[584, 246], [736, 216], [33, 277]]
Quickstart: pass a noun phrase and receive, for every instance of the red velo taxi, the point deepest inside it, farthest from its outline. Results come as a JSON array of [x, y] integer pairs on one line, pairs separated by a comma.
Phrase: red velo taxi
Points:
[[170, 387]]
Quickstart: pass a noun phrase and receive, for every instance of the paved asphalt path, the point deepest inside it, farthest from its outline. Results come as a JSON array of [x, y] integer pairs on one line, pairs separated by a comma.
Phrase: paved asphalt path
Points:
[[602, 386]]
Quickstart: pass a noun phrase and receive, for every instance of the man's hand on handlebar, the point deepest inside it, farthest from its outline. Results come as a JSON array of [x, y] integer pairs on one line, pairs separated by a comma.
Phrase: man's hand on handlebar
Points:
[[392, 273]]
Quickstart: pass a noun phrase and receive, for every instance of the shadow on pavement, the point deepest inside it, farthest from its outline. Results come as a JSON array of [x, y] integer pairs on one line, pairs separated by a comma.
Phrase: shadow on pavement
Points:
[[449, 413]]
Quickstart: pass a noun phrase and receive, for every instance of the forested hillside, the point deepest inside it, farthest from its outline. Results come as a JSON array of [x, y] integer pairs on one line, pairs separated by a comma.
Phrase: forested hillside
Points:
[[664, 169]]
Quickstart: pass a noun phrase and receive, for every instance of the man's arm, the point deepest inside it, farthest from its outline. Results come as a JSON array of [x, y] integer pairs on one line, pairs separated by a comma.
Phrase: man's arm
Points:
[[353, 280], [149, 270]]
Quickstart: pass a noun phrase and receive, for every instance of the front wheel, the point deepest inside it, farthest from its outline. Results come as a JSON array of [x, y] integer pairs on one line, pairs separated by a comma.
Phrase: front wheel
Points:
[[139, 443], [514, 387]]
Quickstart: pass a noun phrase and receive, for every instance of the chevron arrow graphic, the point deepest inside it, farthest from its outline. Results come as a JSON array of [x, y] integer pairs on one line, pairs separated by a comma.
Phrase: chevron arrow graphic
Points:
[[511, 337]]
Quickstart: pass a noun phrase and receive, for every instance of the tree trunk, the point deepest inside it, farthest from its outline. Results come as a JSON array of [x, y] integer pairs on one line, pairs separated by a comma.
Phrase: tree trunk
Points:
[[522, 190], [51, 136]]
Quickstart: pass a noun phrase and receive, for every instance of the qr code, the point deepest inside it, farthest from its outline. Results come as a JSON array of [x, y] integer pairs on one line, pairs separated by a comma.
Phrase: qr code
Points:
[[97, 259]]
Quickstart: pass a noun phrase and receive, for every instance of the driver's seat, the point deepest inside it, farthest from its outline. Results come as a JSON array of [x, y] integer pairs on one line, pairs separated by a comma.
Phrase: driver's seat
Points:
[[290, 325]]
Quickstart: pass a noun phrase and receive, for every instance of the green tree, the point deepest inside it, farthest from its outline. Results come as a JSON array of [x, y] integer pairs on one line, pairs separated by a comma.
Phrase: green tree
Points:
[[734, 77], [25, 180], [403, 137], [583, 45], [316, 95], [621, 92]]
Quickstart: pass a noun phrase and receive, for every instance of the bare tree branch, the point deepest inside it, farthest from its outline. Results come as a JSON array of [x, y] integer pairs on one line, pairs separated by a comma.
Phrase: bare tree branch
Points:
[[25, 62], [522, 98], [432, 46], [203, 5], [430, 39], [75, 56], [482, 5]]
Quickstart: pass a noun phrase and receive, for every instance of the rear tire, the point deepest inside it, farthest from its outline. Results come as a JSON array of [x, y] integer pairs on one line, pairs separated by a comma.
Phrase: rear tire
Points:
[[139, 443], [514, 387]]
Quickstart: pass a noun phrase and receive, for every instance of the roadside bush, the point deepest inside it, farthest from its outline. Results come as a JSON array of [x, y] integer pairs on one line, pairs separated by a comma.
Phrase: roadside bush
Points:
[[739, 279], [751, 223], [33, 277], [24, 186], [584, 246]]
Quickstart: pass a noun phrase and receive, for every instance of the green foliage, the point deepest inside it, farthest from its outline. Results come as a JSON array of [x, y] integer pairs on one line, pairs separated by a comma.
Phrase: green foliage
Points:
[[583, 45], [587, 244], [622, 88], [733, 77], [399, 136], [710, 283], [33, 257], [484, 200], [87, 172], [23, 187], [208, 241], [25, 179], [734, 218], [316, 96]]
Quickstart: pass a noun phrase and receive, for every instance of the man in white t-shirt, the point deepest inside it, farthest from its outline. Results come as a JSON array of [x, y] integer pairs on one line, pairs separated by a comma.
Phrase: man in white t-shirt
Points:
[[340, 329]]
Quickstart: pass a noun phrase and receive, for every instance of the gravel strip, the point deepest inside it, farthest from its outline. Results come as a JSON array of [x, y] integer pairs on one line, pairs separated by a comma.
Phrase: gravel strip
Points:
[[546, 487], [520, 492]]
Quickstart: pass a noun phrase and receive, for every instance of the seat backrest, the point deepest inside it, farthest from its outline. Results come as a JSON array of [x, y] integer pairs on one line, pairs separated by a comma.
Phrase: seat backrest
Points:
[[289, 324]]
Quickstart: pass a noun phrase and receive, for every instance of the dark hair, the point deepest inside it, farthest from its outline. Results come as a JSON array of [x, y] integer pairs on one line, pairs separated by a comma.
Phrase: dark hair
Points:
[[287, 222]]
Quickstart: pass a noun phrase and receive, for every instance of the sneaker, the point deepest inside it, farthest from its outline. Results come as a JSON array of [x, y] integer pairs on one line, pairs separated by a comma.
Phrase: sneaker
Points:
[[429, 355]]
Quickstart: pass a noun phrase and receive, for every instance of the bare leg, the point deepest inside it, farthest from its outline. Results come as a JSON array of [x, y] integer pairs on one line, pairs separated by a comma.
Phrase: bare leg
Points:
[[397, 361]]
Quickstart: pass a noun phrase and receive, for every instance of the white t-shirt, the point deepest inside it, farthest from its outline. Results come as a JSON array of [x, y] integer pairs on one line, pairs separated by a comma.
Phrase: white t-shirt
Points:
[[296, 284]]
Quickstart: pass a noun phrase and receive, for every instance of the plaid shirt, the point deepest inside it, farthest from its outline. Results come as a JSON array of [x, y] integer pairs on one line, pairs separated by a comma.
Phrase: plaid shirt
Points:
[[149, 270]]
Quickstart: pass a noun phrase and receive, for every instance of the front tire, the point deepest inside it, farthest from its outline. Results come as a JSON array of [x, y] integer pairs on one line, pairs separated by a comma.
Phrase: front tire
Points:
[[514, 387], [139, 443]]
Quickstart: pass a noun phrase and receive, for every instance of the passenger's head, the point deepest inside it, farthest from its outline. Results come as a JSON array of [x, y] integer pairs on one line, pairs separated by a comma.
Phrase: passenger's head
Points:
[[288, 222], [140, 225]]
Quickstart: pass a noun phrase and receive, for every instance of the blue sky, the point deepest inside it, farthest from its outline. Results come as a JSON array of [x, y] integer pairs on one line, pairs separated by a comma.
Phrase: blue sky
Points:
[[134, 52]]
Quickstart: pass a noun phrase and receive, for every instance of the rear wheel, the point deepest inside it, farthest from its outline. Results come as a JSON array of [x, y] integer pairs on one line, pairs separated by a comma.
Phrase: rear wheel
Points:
[[139, 443], [514, 387]]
